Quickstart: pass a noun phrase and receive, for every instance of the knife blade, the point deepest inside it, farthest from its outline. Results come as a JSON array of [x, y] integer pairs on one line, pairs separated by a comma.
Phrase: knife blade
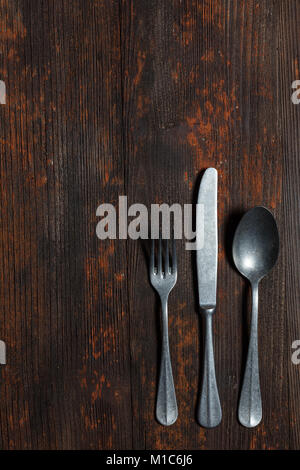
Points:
[[207, 254], [209, 412]]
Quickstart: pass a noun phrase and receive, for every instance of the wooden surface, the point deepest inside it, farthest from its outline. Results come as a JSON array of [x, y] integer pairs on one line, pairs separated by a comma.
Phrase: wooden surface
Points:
[[136, 98]]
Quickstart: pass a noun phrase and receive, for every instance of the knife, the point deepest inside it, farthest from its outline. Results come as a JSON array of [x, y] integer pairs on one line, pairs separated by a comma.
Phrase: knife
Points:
[[2, 352], [209, 411]]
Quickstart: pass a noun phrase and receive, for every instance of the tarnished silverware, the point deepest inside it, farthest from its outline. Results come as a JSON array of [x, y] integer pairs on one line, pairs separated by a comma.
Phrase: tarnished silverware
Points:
[[209, 413], [255, 251], [163, 277]]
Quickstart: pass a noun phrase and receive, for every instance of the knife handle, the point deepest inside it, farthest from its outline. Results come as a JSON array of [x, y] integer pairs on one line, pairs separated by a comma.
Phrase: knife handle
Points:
[[209, 411]]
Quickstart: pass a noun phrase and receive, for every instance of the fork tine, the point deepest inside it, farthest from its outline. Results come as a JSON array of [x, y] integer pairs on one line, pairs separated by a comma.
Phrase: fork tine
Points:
[[174, 258], [166, 268], [159, 261], [151, 267]]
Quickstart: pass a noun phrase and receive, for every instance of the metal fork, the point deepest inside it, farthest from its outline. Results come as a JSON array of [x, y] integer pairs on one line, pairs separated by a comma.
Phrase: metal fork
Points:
[[163, 280]]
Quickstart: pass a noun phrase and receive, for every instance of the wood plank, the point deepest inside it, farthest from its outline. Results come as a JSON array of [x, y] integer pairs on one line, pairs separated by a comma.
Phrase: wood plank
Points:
[[66, 382], [204, 98], [289, 54]]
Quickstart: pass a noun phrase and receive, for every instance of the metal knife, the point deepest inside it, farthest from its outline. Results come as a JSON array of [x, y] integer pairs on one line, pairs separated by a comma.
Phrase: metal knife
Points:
[[2, 352], [209, 412]]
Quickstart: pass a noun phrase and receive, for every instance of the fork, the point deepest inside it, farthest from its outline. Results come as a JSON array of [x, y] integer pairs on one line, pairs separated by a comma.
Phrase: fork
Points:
[[163, 280]]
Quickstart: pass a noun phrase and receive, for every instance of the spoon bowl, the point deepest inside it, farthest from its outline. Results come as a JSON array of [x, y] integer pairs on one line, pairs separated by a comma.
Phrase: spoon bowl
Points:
[[255, 251], [256, 244]]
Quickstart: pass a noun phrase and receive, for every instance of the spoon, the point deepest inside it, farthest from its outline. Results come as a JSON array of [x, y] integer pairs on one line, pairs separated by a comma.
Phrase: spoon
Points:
[[255, 251]]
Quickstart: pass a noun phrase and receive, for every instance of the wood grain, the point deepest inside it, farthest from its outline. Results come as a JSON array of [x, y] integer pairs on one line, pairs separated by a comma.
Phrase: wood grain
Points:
[[137, 98]]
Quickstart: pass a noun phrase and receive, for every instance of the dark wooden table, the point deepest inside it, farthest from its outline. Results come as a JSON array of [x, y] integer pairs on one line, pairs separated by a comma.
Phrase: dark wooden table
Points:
[[108, 98]]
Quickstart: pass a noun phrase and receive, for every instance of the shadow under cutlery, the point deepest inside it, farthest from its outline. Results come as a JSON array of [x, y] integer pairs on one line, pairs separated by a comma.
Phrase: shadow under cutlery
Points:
[[146, 249], [201, 320], [231, 224]]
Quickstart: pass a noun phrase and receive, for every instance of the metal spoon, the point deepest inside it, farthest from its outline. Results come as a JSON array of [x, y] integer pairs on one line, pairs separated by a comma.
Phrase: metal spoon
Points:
[[255, 251]]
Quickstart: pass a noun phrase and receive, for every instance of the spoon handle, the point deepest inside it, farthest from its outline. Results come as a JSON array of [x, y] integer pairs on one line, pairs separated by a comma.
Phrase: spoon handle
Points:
[[250, 409], [209, 413]]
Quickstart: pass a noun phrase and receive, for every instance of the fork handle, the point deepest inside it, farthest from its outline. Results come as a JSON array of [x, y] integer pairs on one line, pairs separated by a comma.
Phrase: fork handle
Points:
[[209, 411], [166, 404]]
